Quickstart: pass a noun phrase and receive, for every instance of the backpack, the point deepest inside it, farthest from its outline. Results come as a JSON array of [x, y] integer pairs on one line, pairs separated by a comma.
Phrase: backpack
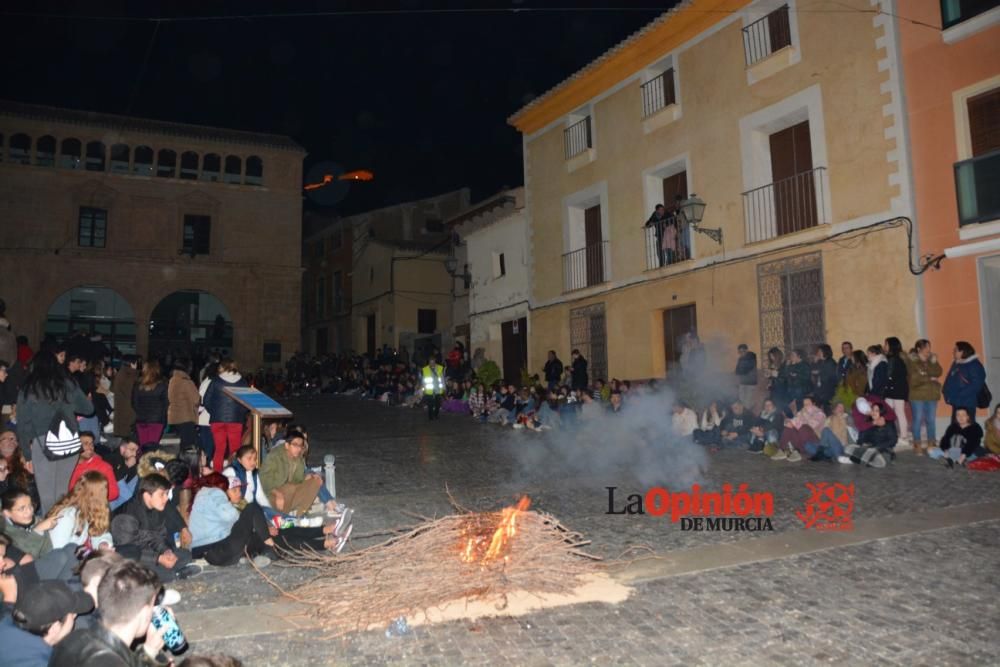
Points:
[[984, 397], [62, 438]]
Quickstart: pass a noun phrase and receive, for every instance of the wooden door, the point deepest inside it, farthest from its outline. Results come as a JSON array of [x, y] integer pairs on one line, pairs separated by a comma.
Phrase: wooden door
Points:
[[676, 323], [594, 245], [514, 334], [792, 176], [675, 190]]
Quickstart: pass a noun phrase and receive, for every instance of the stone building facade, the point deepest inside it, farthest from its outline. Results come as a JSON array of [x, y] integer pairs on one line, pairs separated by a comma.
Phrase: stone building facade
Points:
[[158, 236], [327, 256]]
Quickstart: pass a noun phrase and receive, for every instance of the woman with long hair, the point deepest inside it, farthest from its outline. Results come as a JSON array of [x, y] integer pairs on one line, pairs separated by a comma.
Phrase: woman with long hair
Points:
[[897, 388], [925, 392], [81, 517], [965, 380], [13, 468], [775, 377], [226, 415], [183, 400], [49, 395], [149, 400]]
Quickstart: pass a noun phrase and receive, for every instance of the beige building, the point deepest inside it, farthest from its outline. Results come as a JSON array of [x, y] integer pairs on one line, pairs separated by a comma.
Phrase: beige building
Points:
[[157, 236], [401, 292], [785, 123]]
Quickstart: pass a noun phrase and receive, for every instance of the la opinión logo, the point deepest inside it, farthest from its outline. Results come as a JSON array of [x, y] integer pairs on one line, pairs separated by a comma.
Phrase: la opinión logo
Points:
[[698, 510]]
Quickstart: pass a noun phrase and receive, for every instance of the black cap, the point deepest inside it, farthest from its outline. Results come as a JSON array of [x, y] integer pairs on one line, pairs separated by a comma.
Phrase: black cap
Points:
[[47, 602]]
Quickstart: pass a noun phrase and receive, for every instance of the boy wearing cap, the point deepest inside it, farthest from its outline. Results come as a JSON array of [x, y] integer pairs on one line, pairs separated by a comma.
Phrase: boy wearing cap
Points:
[[41, 618]]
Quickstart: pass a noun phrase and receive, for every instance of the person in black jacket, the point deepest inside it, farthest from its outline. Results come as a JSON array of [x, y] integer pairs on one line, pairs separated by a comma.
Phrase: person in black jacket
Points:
[[746, 374], [553, 370], [961, 442], [579, 370], [846, 362], [149, 400], [127, 594], [897, 388], [797, 380], [824, 376]]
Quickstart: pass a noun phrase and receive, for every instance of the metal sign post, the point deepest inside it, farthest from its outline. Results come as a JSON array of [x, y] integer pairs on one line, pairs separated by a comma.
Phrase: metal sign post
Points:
[[260, 406]]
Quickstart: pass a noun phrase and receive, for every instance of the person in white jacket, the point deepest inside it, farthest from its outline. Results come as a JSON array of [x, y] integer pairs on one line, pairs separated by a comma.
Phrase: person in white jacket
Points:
[[81, 517]]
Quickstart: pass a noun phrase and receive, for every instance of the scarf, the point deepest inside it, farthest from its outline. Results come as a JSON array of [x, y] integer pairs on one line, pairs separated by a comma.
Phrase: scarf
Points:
[[872, 363]]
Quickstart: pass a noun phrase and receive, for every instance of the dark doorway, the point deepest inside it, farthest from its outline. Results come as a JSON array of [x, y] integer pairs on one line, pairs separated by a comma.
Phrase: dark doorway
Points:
[[322, 336], [515, 349], [792, 175], [370, 332], [595, 245], [676, 323]]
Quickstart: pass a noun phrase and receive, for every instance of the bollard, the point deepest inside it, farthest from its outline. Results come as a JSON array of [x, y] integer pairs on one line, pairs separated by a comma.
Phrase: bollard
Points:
[[330, 470]]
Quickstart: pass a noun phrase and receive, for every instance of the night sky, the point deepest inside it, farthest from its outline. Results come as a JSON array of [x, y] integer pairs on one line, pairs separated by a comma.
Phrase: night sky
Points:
[[421, 99]]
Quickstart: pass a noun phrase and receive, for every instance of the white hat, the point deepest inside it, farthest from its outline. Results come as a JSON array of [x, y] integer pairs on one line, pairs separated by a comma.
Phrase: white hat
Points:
[[863, 406]]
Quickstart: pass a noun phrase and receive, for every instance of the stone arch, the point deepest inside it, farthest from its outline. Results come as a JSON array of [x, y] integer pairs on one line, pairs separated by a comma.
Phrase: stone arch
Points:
[[93, 309], [190, 322]]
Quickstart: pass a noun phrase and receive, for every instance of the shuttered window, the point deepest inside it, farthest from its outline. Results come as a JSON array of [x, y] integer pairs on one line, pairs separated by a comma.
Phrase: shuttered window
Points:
[[984, 122]]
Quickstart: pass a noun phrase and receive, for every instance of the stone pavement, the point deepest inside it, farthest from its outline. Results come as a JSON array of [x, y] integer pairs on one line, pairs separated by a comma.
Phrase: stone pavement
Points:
[[913, 584]]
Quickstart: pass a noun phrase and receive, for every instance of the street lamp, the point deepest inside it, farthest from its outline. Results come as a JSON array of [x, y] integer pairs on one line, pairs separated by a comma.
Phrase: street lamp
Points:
[[451, 266], [692, 210]]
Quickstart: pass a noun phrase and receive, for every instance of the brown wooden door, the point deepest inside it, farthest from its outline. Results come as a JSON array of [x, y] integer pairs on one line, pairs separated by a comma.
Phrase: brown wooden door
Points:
[[676, 323], [791, 171], [595, 246], [675, 190], [984, 122], [515, 349], [370, 331]]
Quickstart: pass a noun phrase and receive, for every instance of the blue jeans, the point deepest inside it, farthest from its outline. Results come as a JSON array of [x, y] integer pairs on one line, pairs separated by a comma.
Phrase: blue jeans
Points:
[[324, 493], [828, 447], [924, 412]]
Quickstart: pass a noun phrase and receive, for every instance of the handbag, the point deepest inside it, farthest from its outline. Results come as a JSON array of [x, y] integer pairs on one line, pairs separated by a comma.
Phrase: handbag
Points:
[[984, 397], [62, 439]]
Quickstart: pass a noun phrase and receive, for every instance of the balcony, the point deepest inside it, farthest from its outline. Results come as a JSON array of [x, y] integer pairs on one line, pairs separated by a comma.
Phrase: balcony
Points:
[[766, 35], [667, 243], [954, 12], [658, 93], [586, 267], [786, 206], [577, 138], [976, 187]]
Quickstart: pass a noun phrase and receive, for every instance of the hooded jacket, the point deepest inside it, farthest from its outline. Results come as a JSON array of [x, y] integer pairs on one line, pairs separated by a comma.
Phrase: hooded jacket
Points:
[[966, 378], [221, 408], [968, 439], [861, 421], [923, 377]]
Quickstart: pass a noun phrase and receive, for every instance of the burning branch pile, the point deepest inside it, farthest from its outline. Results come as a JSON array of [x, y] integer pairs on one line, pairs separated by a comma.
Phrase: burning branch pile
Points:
[[474, 556]]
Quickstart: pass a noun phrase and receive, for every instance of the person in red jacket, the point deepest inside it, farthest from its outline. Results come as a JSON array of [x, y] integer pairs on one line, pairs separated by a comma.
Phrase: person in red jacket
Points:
[[91, 460]]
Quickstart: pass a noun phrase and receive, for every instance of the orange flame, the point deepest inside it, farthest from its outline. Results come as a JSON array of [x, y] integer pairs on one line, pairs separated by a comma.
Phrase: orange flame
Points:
[[358, 175], [497, 543]]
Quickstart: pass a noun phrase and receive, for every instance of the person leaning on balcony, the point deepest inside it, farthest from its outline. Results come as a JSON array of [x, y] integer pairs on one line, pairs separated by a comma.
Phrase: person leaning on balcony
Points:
[[658, 221]]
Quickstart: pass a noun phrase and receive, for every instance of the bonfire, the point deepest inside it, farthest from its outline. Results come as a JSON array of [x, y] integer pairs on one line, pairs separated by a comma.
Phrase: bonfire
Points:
[[467, 558]]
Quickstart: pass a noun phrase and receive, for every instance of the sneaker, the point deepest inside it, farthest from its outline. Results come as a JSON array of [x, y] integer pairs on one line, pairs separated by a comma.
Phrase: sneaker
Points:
[[342, 540], [168, 597], [779, 455], [793, 456], [846, 460], [343, 523], [261, 561], [188, 571], [518, 425]]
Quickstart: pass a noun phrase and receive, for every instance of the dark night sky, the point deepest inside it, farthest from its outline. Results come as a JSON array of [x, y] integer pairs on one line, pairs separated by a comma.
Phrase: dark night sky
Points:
[[420, 99]]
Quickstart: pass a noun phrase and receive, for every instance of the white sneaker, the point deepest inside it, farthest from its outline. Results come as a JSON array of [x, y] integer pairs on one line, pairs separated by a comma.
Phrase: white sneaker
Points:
[[261, 561], [844, 459], [518, 425], [169, 598]]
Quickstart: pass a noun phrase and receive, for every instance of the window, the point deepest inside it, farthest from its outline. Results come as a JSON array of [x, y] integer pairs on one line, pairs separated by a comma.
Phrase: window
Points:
[[271, 352], [426, 320], [92, 227], [166, 163], [211, 167], [69, 156], [790, 293], [766, 35], [20, 149], [577, 137], [499, 265], [45, 151], [976, 178], [586, 258], [119, 159], [255, 171], [954, 12], [189, 165], [143, 161], [338, 292], [96, 156], [197, 234], [234, 165], [658, 93]]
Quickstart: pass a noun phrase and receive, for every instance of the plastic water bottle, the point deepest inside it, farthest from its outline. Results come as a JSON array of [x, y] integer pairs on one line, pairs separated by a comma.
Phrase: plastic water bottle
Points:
[[173, 637], [330, 471], [398, 628]]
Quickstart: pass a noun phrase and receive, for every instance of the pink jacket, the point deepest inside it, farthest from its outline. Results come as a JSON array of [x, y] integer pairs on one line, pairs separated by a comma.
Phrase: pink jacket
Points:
[[813, 417]]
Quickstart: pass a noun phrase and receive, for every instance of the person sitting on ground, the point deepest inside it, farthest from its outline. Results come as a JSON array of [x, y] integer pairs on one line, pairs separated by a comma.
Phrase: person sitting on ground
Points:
[[735, 427], [14, 473], [854, 381], [244, 469], [287, 485], [91, 460], [615, 404], [833, 438], [81, 518], [962, 442], [992, 439], [861, 412], [223, 533], [477, 403], [876, 442], [503, 414], [150, 535], [800, 430], [18, 524], [548, 414], [42, 617], [127, 594], [711, 420], [124, 463], [92, 569], [684, 420]]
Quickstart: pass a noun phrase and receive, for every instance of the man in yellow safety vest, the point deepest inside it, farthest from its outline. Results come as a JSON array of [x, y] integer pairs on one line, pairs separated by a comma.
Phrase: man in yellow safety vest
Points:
[[433, 374]]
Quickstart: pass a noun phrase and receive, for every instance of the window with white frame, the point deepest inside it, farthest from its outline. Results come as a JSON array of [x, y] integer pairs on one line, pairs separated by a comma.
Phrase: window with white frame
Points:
[[659, 88], [499, 265], [578, 136], [586, 260]]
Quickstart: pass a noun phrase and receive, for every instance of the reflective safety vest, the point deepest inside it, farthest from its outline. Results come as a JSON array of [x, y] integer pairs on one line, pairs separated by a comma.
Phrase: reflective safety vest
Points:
[[433, 379]]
